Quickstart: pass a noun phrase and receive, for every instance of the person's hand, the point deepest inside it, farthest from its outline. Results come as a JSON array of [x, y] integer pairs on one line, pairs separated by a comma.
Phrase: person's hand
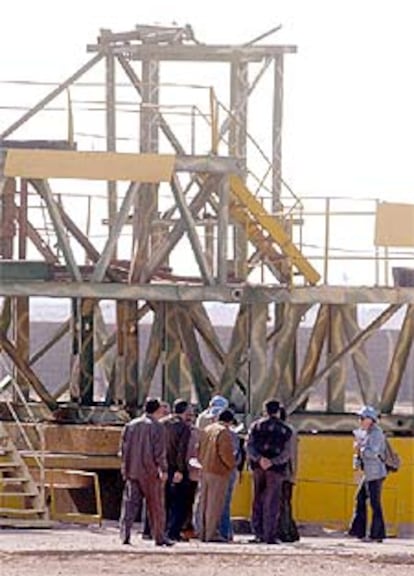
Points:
[[163, 477], [265, 463], [177, 478]]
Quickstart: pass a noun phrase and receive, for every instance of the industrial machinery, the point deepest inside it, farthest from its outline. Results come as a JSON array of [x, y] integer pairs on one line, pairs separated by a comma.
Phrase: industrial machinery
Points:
[[187, 265]]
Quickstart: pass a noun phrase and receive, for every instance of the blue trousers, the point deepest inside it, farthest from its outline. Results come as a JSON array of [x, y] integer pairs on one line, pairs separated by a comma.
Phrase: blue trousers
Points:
[[225, 527]]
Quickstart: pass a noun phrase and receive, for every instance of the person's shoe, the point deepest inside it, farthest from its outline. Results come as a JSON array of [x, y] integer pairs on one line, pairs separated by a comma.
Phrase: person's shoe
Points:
[[377, 540], [180, 538], [218, 539], [353, 535], [165, 542], [275, 541], [256, 540], [189, 534], [145, 536], [126, 541]]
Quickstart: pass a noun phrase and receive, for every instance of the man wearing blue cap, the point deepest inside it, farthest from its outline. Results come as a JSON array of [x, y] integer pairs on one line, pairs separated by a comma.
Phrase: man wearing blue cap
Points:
[[369, 449], [210, 415]]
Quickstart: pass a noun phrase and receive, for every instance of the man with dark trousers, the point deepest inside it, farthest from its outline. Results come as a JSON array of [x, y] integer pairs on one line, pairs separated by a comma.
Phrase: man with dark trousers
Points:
[[144, 470], [268, 451], [178, 433]]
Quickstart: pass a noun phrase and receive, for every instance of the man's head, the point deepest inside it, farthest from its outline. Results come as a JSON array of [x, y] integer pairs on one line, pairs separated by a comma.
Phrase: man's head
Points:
[[152, 405], [271, 407], [165, 407], [226, 417], [218, 401], [180, 407]]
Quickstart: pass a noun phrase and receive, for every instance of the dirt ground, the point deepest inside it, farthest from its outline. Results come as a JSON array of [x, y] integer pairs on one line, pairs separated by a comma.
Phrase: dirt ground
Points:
[[67, 550]]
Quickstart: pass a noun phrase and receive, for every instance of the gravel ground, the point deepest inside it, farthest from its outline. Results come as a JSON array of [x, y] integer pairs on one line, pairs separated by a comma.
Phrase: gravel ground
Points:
[[67, 550]]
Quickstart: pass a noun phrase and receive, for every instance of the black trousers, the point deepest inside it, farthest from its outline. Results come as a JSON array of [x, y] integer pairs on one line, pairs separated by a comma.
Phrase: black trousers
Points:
[[371, 491], [176, 501], [266, 504], [287, 530]]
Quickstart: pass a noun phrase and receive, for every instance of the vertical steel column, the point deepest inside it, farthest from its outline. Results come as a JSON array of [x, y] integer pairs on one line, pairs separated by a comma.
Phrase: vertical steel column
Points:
[[86, 358], [75, 350], [209, 243], [277, 134], [222, 230], [258, 372], [172, 355], [131, 357], [335, 393], [7, 225], [22, 326], [22, 339], [23, 220], [239, 92], [110, 87], [146, 206], [118, 386]]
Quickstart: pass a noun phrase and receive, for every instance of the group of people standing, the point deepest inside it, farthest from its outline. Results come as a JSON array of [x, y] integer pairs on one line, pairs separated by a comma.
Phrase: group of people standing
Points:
[[186, 469]]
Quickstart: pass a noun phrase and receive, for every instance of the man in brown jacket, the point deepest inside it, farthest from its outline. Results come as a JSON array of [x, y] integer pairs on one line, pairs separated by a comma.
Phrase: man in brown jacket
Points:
[[218, 460], [144, 470]]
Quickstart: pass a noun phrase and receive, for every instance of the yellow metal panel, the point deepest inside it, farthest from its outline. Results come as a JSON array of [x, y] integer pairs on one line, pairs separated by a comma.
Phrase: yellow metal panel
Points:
[[42, 164], [394, 225], [326, 485]]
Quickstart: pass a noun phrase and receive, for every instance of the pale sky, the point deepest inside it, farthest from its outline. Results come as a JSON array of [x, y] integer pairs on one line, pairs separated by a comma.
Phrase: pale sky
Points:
[[349, 92], [349, 114]]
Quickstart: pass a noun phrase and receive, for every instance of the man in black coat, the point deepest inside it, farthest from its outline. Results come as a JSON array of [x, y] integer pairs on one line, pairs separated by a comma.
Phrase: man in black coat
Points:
[[268, 451]]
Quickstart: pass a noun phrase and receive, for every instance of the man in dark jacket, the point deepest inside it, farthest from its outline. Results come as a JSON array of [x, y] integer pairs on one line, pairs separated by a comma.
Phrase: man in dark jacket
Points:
[[268, 451], [144, 470], [178, 433]]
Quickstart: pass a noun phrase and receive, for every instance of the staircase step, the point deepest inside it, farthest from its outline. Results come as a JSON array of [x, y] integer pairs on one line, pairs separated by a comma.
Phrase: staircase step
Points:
[[14, 480], [26, 523], [9, 464], [4, 494], [20, 512]]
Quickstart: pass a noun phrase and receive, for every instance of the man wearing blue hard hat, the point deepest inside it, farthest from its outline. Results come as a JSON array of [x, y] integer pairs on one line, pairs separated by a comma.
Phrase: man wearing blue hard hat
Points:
[[369, 456]]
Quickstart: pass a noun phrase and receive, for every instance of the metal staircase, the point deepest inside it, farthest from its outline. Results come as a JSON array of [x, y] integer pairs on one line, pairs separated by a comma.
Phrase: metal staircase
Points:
[[20, 497], [265, 230]]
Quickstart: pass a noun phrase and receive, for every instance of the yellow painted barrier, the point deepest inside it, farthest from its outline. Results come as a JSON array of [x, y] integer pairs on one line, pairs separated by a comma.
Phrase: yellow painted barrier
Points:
[[326, 485]]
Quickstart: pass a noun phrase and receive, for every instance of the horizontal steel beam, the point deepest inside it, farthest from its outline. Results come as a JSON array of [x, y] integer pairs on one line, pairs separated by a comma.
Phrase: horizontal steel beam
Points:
[[199, 52], [196, 293]]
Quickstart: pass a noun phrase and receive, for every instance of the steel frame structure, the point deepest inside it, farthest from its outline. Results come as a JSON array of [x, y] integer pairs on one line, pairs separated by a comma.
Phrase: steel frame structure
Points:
[[260, 361]]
